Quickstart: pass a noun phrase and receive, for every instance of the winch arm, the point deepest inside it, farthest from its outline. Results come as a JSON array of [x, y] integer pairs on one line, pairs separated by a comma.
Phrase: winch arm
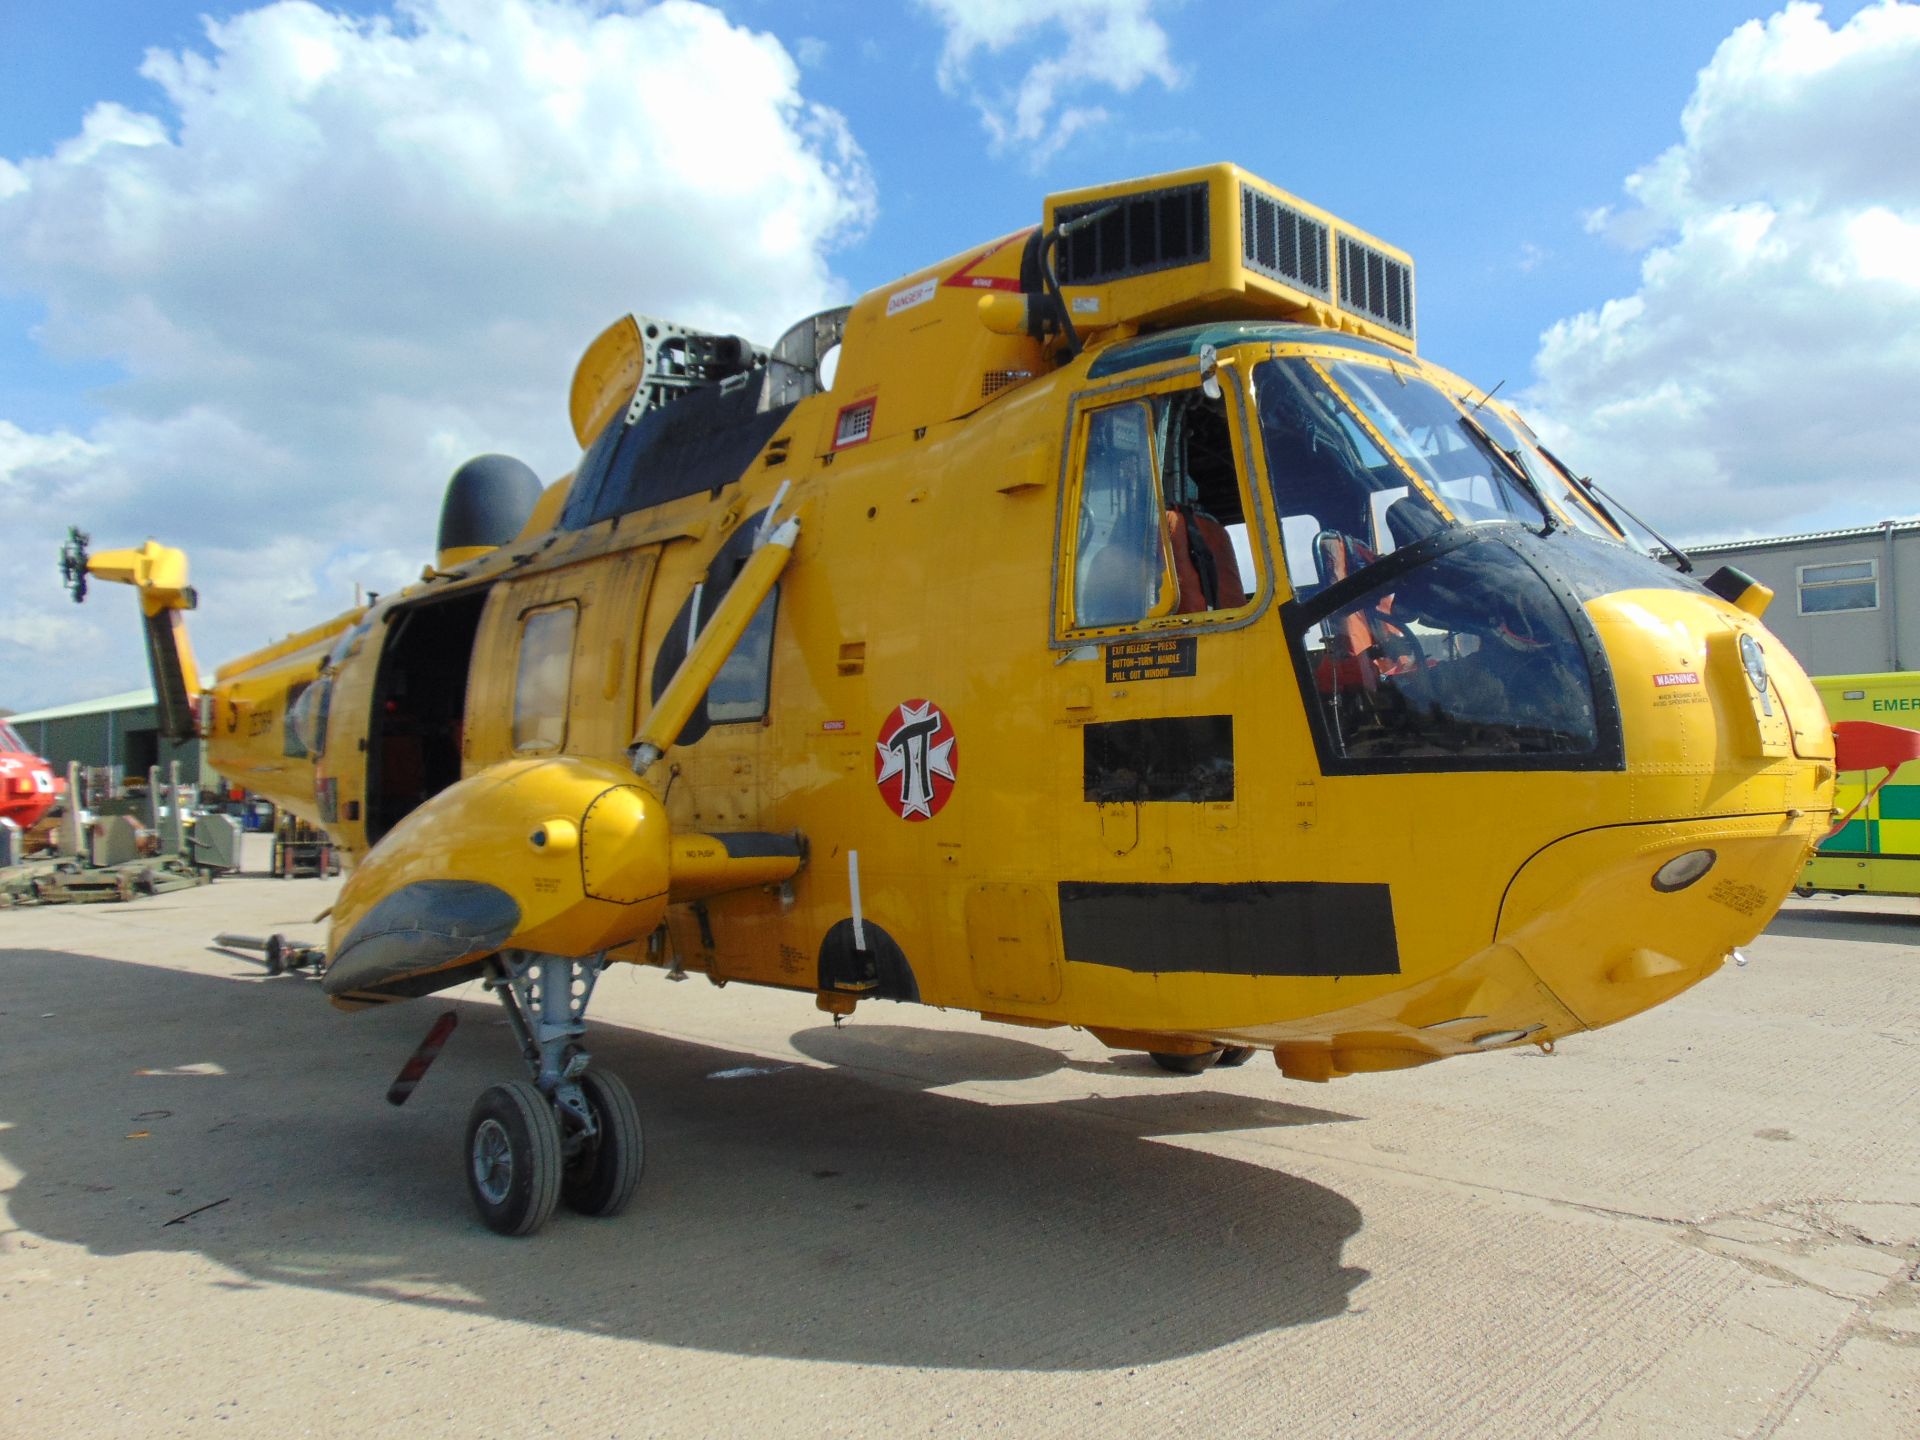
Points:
[[159, 574]]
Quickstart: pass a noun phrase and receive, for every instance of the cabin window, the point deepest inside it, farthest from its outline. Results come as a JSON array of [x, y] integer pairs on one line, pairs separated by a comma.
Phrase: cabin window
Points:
[[543, 679], [739, 691], [308, 716], [1846, 585], [292, 743], [1161, 518]]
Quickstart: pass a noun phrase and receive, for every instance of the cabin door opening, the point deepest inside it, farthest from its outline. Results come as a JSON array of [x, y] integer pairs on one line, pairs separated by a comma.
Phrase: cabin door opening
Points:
[[419, 704]]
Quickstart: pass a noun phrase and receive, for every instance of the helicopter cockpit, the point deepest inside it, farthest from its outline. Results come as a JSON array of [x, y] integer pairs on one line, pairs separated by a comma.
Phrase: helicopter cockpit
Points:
[[1436, 619]]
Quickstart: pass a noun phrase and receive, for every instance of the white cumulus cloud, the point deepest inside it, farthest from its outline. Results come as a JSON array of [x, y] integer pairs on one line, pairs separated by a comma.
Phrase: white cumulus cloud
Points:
[[1028, 103], [341, 254], [1761, 378]]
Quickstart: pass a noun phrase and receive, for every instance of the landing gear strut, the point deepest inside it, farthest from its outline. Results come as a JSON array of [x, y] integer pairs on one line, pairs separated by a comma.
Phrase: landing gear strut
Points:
[[569, 1133]]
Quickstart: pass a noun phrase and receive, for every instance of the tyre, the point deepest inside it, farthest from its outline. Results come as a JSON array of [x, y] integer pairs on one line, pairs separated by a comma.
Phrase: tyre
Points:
[[1184, 1064], [1234, 1055], [513, 1158], [601, 1178]]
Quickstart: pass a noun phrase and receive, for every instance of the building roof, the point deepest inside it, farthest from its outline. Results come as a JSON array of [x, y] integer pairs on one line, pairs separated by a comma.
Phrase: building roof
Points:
[[127, 700], [1857, 532]]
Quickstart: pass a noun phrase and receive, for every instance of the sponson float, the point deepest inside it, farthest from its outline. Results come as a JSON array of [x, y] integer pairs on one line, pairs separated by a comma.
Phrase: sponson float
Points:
[[1134, 633]]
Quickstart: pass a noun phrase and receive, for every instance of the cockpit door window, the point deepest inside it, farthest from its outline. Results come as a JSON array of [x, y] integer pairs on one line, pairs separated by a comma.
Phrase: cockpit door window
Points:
[[1158, 520], [1119, 572]]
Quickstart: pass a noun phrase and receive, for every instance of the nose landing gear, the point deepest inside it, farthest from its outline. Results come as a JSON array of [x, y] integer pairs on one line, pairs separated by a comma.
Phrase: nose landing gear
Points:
[[1226, 1057], [569, 1133]]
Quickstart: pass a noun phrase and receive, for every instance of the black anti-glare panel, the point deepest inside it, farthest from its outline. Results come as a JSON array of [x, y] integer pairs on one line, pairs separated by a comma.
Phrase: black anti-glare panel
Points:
[[1154, 230], [1281, 242], [1273, 927], [1375, 285]]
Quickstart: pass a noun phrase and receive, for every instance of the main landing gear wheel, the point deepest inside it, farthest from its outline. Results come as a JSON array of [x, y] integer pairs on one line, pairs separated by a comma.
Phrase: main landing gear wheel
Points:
[[1234, 1055], [1185, 1064], [513, 1157], [601, 1175]]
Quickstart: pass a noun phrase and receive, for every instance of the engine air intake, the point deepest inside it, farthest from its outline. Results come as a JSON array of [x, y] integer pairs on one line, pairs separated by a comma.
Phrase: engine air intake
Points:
[[1219, 243], [1375, 285], [1157, 230], [1283, 242]]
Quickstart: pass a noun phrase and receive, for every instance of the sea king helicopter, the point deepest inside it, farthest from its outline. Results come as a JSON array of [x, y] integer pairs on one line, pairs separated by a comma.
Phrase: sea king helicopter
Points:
[[1130, 632], [28, 786]]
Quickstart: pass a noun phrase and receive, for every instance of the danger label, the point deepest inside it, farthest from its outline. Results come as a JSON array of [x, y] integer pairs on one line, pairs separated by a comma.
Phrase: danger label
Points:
[[1676, 677], [911, 296]]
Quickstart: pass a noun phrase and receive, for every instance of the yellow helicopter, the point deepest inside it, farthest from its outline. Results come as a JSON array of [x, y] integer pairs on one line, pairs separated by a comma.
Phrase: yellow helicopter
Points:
[[1130, 631]]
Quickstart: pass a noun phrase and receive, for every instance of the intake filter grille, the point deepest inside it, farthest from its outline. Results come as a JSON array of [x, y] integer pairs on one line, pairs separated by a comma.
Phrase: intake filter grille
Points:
[[1282, 243], [1376, 286], [1154, 230]]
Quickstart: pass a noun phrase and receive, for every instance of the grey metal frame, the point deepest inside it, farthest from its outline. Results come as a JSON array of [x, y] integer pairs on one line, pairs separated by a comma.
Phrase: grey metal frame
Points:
[[546, 998]]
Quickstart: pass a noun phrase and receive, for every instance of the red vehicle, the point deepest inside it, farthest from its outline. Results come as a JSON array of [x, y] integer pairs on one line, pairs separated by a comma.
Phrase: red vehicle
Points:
[[28, 786]]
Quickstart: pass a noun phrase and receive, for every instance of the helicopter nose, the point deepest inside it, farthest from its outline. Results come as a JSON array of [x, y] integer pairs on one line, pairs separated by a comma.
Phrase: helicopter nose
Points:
[[1729, 760], [1616, 920]]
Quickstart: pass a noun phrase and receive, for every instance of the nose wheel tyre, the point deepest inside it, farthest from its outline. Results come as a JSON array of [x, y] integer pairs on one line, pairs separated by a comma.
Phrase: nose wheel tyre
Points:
[[1184, 1064], [513, 1158], [600, 1179]]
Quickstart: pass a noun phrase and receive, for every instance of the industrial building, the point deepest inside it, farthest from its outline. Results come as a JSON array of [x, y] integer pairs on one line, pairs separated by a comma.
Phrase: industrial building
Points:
[[1846, 602], [119, 734]]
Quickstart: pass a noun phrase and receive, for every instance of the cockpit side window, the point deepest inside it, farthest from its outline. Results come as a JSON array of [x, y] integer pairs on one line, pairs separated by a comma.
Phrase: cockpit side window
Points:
[[1160, 513], [1119, 565]]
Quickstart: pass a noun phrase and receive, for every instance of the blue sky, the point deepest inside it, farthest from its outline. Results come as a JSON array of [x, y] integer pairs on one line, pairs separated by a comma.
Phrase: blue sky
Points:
[[261, 286], [1475, 137]]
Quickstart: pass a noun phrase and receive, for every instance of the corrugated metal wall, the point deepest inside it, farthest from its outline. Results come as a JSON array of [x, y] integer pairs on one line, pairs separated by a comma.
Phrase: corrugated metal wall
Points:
[[128, 738], [1847, 642]]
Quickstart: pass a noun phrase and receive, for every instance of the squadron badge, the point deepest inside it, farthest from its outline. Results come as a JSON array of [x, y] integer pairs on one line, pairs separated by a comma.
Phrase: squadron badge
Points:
[[915, 760]]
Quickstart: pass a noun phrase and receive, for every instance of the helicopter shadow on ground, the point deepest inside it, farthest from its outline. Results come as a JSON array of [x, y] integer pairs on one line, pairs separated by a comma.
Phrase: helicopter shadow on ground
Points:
[[933, 1059], [1873, 926], [792, 1210]]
